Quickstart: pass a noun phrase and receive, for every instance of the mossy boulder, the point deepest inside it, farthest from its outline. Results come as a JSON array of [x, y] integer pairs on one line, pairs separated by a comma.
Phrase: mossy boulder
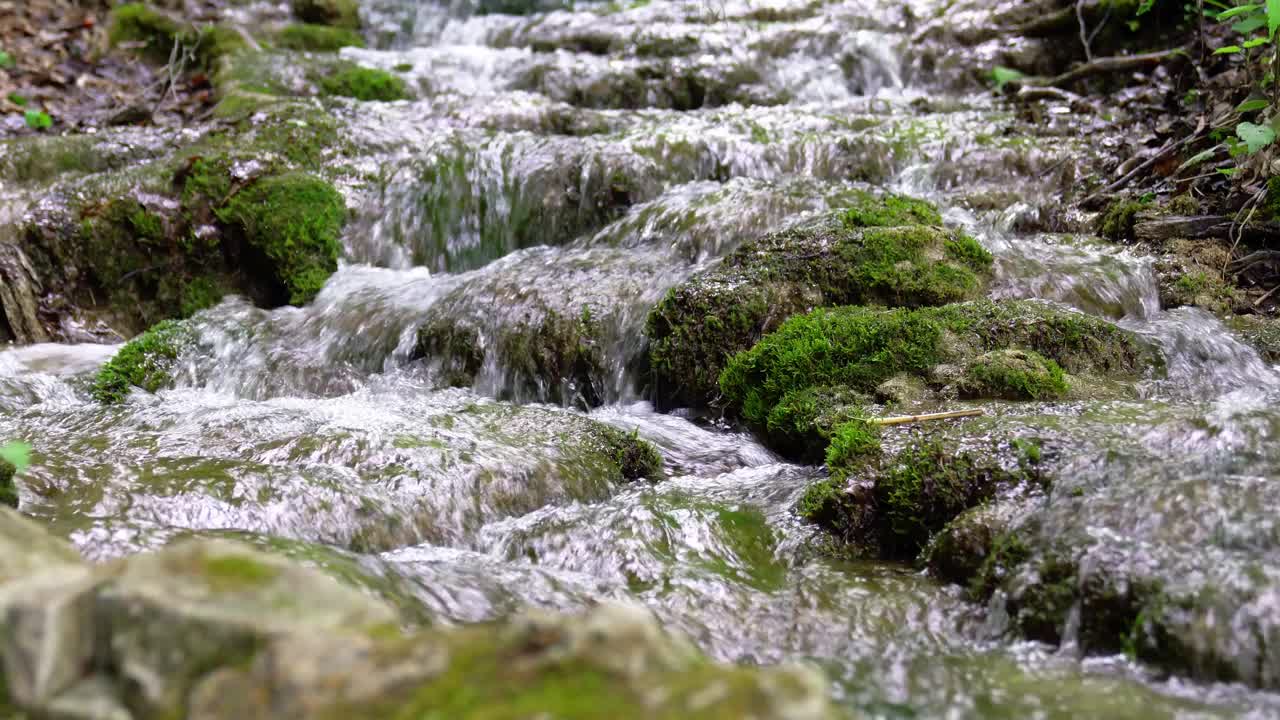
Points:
[[292, 222], [1117, 220], [339, 13], [146, 362], [836, 260], [319, 38], [362, 83], [1013, 349]]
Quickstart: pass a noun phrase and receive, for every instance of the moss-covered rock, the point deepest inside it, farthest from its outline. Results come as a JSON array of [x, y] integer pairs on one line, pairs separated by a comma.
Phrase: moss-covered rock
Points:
[[892, 507], [859, 348], [363, 83], [320, 38], [1013, 374], [339, 13], [145, 362], [293, 222], [833, 261]]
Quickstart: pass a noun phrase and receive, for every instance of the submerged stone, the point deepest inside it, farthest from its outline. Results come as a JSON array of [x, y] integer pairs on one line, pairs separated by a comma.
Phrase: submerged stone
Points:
[[832, 261]]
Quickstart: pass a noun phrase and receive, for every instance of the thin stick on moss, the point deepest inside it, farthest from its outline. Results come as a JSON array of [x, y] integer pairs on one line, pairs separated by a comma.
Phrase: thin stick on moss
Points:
[[904, 419]]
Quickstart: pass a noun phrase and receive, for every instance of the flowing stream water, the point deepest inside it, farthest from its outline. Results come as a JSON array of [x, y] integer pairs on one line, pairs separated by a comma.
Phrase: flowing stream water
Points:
[[547, 167]]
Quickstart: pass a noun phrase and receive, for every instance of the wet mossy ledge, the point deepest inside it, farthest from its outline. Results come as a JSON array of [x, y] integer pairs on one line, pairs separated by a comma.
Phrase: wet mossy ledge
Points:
[[318, 38], [882, 250], [156, 34], [242, 210]]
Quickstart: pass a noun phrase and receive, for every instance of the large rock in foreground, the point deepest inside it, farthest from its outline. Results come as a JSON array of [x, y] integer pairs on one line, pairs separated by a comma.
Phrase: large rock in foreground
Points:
[[214, 629]]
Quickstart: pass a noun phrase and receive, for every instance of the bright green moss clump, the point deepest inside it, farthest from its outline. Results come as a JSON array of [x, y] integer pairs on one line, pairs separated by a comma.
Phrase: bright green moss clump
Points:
[[724, 310], [320, 38], [1013, 374], [635, 458], [295, 221], [868, 210], [1118, 219], [365, 84], [144, 362]]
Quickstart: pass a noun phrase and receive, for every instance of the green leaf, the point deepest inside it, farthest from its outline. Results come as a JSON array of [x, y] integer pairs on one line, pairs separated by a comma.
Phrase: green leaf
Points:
[[1002, 76], [17, 454], [1240, 10], [6, 60], [1249, 24], [17, 99], [1227, 50], [1273, 17], [1251, 104], [38, 120], [1229, 172], [1250, 44], [1255, 137]]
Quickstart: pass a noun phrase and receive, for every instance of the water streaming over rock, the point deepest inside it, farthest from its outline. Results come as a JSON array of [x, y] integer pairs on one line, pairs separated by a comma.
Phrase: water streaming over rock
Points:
[[569, 167]]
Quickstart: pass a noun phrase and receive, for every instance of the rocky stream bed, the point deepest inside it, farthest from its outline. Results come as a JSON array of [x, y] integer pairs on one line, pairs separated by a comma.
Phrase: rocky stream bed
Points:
[[530, 359]]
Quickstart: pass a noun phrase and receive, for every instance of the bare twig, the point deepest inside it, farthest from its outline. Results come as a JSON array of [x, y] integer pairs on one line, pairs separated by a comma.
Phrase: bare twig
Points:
[[905, 419], [1115, 64], [1084, 31]]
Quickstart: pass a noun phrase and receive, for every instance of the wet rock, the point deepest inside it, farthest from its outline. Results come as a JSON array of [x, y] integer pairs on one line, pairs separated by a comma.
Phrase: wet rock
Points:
[[837, 260], [1262, 333], [545, 326], [318, 38]]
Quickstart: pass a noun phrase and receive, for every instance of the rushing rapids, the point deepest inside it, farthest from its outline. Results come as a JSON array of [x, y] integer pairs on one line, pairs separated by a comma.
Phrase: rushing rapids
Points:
[[438, 423]]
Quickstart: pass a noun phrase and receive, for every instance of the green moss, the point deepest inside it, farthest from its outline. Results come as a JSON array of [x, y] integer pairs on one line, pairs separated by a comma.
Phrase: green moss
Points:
[[724, 310], [1013, 374], [1116, 222], [199, 294], [1271, 203], [888, 210], [216, 42], [634, 457], [8, 490], [365, 84], [144, 362], [294, 220], [229, 573], [321, 38], [339, 13], [748, 535], [853, 445], [802, 422]]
